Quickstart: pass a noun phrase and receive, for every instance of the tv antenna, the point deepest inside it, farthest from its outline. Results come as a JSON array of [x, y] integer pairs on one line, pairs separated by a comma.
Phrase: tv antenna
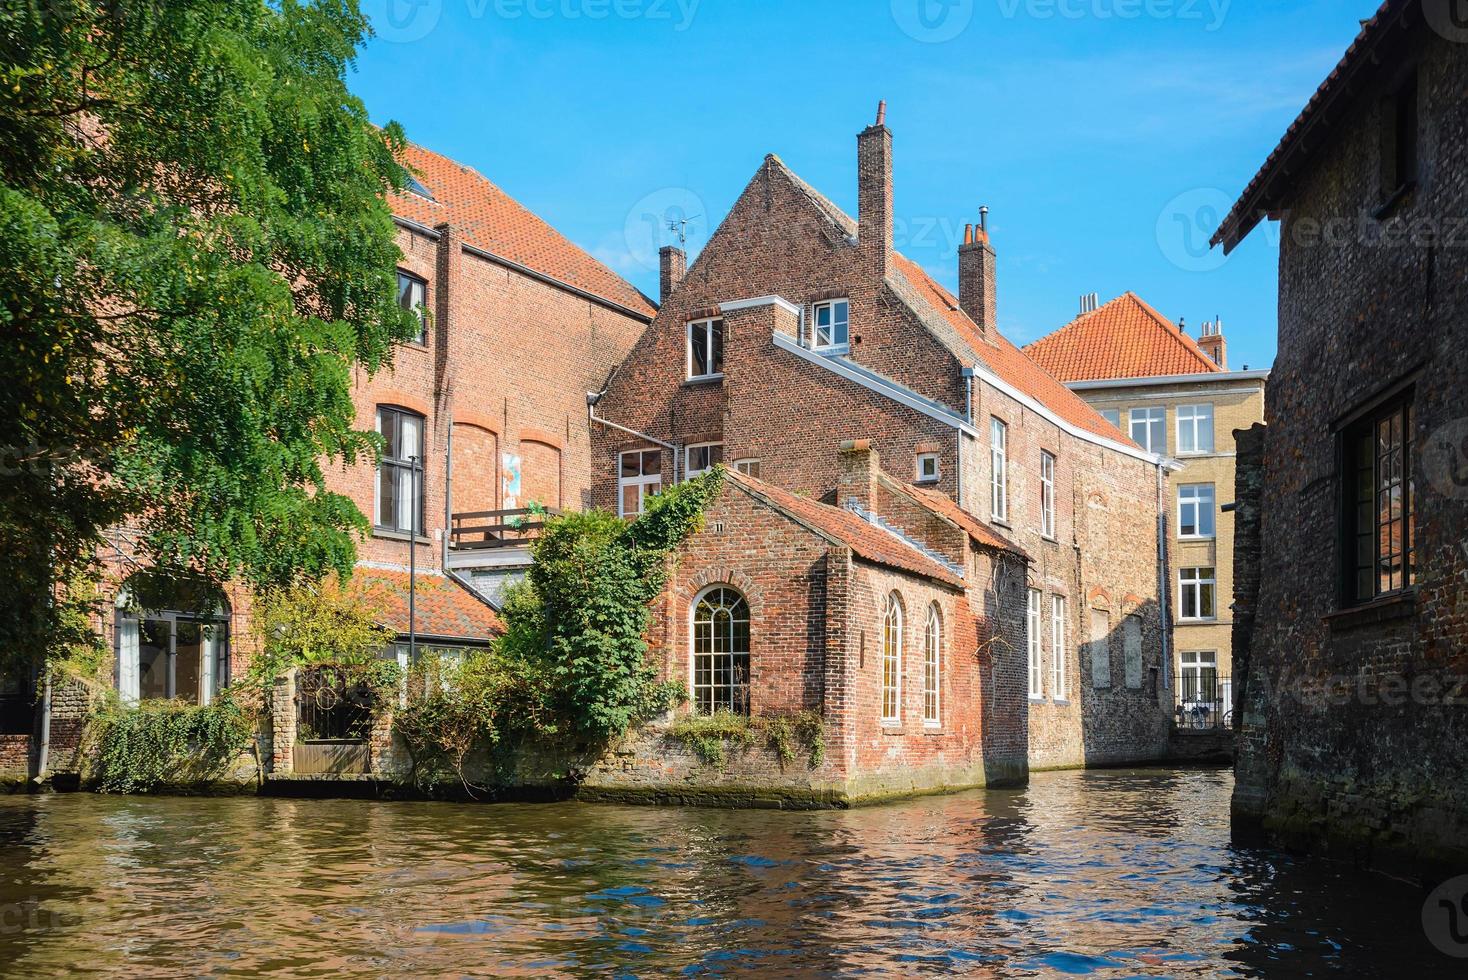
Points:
[[679, 226]]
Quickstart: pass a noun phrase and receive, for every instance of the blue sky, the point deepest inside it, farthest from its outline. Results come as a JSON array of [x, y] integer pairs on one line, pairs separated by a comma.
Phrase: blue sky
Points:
[[1105, 135]]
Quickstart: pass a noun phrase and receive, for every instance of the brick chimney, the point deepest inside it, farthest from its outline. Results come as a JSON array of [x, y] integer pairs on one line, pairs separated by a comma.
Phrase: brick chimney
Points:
[[874, 192], [859, 467], [976, 263], [1213, 343], [672, 264]]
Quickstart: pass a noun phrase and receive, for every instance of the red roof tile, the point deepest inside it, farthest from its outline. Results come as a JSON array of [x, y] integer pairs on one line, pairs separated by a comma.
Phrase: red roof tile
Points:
[[945, 507], [443, 607], [1006, 360], [864, 538], [1125, 338], [489, 219]]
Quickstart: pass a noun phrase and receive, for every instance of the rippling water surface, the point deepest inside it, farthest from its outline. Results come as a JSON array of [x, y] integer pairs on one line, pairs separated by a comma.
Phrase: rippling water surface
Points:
[[1112, 873]]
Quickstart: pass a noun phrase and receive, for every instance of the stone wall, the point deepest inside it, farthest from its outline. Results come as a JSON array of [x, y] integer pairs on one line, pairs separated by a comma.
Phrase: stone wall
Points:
[[1353, 714]]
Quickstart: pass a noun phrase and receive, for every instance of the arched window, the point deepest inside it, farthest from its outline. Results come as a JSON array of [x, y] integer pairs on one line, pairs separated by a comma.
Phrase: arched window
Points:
[[892, 659], [179, 650], [721, 651], [932, 666]]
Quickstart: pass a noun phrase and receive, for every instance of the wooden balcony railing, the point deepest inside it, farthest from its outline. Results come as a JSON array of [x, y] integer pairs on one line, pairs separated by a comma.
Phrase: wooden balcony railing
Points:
[[478, 529]]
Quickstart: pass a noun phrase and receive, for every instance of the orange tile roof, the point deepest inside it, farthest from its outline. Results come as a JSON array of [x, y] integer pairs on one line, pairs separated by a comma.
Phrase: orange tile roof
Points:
[[864, 538], [945, 507], [1125, 338], [1007, 361], [443, 607], [489, 219]]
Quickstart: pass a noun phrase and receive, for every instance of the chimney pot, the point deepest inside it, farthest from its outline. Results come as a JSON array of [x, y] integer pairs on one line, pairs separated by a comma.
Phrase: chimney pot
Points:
[[976, 267], [1213, 344], [882, 112]]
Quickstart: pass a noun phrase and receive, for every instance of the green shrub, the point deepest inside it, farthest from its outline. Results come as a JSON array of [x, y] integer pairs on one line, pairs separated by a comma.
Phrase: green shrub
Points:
[[168, 741], [709, 735]]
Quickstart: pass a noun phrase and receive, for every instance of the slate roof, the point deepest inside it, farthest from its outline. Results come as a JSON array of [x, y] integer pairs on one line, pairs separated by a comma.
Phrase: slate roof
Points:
[[1125, 338], [489, 219]]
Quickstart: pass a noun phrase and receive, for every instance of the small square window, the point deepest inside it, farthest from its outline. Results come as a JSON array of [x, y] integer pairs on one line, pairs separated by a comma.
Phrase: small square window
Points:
[[702, 458], [705, 349], [831, 325], [927, 468], [749, 467]]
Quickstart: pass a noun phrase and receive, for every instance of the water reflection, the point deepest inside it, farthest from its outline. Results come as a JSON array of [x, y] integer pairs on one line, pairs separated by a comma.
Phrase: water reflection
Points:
[[1109, 873]]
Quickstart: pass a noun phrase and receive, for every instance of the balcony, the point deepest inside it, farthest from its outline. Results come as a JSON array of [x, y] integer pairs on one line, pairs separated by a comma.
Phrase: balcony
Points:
[[483, 530]]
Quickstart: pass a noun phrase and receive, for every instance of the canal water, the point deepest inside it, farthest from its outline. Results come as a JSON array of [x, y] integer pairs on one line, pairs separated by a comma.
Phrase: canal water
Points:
[[1107, 874]]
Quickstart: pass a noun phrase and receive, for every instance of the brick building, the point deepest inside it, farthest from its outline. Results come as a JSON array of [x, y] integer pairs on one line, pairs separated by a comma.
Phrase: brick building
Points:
[[798, 329], [518, 323], [1352, 586], [1175, 396]]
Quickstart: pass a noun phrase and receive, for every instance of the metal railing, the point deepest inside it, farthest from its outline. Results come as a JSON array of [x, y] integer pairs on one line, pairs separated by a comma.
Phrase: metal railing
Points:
[[1204, 700], [478, 529], [331, 705]]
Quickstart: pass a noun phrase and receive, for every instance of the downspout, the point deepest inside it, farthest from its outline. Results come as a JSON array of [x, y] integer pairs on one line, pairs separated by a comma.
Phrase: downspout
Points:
[[968, 380], [43, 756], [1163, 579], [593, 397], [448, 494]]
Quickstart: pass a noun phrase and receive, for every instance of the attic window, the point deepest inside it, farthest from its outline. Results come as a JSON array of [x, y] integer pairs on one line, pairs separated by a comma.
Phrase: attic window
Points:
[[416, 187], [1399, 139]]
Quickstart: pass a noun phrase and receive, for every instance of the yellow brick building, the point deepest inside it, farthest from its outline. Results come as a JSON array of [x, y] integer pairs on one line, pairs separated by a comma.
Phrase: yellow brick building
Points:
[[1173, 395]]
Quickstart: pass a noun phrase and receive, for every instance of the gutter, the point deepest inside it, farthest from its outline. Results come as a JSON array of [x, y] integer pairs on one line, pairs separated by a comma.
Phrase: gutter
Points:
[[1169, 379], [525, 270]]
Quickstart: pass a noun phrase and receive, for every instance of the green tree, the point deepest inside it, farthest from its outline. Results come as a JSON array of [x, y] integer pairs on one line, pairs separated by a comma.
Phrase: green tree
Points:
[[197, 254]]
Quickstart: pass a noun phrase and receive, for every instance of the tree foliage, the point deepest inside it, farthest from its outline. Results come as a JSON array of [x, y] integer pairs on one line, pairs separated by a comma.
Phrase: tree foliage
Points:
[[197, 255]]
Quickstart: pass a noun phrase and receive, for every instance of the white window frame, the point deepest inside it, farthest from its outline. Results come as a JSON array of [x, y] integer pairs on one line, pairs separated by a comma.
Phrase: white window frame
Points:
[[1154, 418], [1047, 495], [689, 471], [750, 466], [1035, 645], [933, 668], [937, 473], [891, 704], [1058, 644], [735, 605], [1192, 580], [1201, 499], [642, 481], [418, 309], [833, 346], [707, 326], [1197, 422], [401, 467], [998, 469]]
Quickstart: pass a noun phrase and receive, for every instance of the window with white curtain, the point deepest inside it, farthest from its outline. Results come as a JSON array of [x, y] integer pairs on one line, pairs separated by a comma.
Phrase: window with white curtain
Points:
[[998, 470], [1194, 429], [1149, 428], [170, 654], [932, 666], [1047, 495], [399, 491]]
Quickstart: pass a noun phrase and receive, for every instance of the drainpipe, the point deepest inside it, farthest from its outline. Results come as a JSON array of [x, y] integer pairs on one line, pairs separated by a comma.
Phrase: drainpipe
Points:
[[1163, 579], [592, 397], [43, 756], [448, 494], [968, 380]]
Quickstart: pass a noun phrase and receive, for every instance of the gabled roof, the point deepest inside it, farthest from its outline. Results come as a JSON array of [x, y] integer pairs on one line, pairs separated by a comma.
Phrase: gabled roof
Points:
[[1267, 192], [1125, 338], [838, 525], [946, 508], [489, 219], [939, 311], [1007, 361], [442, 607]]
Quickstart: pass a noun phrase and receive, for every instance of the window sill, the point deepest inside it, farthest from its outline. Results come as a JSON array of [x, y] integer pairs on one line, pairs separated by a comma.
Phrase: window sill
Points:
[[1402, 605], [391, 535], [1061, 702], [1049, 537], [1196, 539], [1037, 699], [414, 345], [927, 481], [704, 379], [1000, 522], [835, 350], [1212, 621], [933, 728], [893, 728]]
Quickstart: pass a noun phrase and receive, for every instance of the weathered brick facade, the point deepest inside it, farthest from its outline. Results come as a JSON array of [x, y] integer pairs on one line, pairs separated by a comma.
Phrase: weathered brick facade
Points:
[[1355, 701], [916, 375]]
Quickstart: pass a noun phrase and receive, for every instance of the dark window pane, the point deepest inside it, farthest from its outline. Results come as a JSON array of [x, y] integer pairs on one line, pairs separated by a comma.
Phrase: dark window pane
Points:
[[188, 668], [717, 343], [153, 639]]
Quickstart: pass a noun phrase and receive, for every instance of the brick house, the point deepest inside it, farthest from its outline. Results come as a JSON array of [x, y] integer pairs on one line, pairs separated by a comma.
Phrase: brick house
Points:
[[798, 329], [1175, 396], [1352, 574], [518, 323]]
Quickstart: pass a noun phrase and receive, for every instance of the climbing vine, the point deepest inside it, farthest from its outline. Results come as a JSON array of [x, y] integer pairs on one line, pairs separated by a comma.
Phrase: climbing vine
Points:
[[711, 736], [168, 741]]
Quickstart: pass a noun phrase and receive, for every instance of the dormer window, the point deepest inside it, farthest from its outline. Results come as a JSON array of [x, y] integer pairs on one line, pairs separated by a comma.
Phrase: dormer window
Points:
[[705, 349], [831, 325], [416, 187], [413, 296]]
